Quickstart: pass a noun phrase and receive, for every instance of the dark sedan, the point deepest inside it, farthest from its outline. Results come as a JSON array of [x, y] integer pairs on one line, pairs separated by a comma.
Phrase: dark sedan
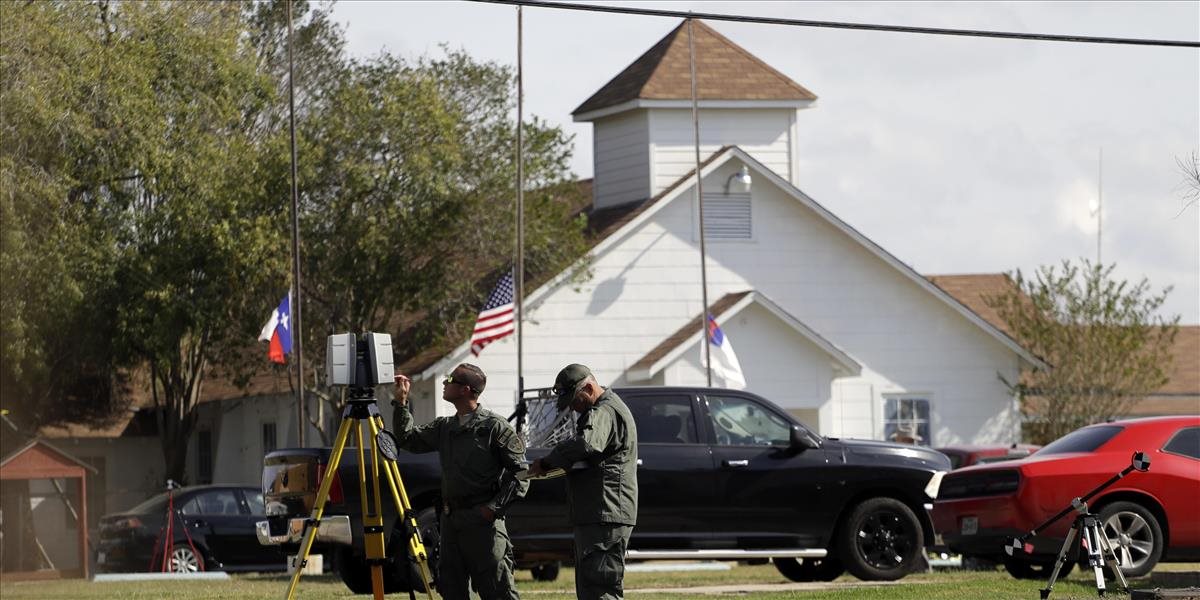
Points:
[[213, 530]]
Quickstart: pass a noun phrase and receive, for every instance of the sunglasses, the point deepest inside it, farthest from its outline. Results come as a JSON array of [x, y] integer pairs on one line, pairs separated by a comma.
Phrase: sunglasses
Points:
[[450, 379]]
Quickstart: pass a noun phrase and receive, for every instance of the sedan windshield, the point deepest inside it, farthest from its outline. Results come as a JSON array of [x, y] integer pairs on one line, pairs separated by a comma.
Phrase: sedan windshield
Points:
[[1081, 440]]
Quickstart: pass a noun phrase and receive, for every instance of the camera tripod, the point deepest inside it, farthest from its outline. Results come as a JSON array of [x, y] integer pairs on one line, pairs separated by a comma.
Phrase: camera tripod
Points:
[[1090, 532], [361, 411]]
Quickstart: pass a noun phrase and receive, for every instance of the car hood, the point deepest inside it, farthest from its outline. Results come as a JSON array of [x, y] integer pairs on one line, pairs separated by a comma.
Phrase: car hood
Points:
[[873, 452]]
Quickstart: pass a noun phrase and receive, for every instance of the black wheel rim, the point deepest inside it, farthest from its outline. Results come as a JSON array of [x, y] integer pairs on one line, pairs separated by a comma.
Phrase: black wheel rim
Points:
[[884, 539]]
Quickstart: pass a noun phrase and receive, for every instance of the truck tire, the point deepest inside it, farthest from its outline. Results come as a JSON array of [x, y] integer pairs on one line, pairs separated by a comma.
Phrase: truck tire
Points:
[[809, 569], [545, 571], [354, 571], [880, 540]]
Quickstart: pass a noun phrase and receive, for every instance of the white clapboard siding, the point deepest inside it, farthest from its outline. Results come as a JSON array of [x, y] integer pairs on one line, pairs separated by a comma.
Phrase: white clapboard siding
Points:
[[639, 153], [765, 134], [647, 285], [622, 159]]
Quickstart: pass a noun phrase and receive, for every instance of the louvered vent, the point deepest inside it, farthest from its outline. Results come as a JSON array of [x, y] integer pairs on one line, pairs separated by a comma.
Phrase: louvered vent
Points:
[[727, 216]]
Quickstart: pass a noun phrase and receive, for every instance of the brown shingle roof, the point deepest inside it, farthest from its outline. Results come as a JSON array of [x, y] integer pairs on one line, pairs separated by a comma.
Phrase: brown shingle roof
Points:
[[724, 71], [688, 330], [1184, 384], [1185, 367], [972, 290]]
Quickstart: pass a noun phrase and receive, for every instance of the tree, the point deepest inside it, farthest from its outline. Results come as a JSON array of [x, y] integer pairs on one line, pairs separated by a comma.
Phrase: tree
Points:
[[1104, 341], [57, 250], [409, 212], [132, 159], [1190, 169]]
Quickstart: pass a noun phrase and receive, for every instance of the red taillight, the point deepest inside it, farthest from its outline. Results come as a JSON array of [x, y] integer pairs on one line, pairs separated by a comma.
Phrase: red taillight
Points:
[[335, 487], [128, 523]]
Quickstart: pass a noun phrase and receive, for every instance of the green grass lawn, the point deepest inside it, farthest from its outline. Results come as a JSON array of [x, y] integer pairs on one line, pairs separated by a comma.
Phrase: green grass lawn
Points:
[[942, 584]]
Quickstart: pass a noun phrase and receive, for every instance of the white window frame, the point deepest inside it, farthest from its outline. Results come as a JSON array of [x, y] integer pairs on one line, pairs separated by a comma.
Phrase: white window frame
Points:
[[912, 426]]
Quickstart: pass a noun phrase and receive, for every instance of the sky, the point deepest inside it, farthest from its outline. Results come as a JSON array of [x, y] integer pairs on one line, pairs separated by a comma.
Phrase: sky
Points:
[[955, 154]]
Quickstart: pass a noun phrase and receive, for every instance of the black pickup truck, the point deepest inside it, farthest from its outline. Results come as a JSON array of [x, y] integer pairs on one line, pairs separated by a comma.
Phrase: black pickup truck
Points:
[[722, 474]]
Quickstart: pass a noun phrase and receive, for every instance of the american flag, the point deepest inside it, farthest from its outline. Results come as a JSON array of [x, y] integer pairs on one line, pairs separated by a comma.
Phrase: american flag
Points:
[[496, 318]]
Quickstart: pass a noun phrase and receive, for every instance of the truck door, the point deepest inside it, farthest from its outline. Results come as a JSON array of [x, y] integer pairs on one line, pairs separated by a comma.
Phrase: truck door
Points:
[[770, 495], [675, 468]]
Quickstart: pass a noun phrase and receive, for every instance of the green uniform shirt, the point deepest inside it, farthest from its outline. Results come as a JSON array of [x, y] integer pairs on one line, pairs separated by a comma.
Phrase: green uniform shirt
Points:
[[605, 438], [473, 455]]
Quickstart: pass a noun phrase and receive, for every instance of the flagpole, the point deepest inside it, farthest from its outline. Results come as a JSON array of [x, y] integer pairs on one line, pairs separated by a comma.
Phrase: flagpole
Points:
[[520, 262], [700, 204], [294, 304]]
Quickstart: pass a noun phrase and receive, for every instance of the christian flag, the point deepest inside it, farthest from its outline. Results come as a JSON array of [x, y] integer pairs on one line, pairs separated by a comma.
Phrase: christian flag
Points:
[[724, 361], [278, 331], [496, 319]]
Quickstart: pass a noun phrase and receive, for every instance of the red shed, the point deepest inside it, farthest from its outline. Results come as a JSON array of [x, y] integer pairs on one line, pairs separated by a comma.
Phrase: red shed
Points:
[[39, 460]]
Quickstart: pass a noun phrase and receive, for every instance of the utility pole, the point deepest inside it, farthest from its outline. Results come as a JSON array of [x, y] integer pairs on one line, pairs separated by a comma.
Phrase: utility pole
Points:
[[294, 305], [700, 205]]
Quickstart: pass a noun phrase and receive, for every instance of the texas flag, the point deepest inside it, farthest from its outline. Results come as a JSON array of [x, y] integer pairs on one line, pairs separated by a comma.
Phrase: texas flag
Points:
[[278, 331], [724, 361]]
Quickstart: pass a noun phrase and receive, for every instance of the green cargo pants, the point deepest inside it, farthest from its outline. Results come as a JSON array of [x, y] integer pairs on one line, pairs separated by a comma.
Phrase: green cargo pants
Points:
[[475, 553], [600, 560]]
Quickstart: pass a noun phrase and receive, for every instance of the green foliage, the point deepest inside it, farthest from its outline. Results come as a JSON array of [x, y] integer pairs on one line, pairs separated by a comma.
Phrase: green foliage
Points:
[[1106, 345], [409, 201], [139, 224], [145, 185]]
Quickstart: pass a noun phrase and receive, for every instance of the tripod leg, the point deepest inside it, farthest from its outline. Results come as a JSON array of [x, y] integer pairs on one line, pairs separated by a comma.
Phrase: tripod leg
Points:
[[1110, 558], [1061, 560], [1092, 536], [416, 547], [310, 533], [372, 519]]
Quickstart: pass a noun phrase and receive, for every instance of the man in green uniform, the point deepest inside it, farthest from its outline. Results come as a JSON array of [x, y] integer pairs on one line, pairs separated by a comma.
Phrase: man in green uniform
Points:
[[480, 456], [603, 496]]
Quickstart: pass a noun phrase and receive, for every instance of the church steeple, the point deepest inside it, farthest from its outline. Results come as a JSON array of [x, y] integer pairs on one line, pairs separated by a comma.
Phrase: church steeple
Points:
[[642, 125], [724, 71]]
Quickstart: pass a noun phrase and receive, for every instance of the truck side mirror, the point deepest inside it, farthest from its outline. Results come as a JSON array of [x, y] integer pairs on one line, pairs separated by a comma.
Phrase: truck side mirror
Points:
[[802, 438]]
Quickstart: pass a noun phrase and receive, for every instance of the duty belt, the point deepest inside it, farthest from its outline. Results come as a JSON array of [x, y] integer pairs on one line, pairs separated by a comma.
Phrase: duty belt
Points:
[[450, 506]]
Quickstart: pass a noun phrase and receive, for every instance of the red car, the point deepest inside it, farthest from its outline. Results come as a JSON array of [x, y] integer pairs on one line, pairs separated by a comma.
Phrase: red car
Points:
[[1149, 516], [966, 455]]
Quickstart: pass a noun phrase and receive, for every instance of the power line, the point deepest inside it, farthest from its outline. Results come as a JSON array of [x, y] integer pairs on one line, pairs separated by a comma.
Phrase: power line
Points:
[[1012, 35]]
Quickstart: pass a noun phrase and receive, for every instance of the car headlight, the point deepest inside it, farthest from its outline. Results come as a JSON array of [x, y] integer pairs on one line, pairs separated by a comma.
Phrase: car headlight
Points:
[[935, 482]]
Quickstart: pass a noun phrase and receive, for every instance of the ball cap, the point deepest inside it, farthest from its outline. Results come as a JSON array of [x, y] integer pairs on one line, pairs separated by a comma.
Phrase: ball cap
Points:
[[568, 378]]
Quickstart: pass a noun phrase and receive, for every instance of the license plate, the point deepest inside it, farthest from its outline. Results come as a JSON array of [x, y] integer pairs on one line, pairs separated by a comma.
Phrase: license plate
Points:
[[970, 525]]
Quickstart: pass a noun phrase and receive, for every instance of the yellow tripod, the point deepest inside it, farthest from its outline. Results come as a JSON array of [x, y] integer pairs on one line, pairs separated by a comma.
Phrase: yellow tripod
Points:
[[361, 410]]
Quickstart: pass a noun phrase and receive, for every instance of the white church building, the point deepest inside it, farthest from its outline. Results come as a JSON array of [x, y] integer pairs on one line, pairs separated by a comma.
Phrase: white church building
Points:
[[825, 322]]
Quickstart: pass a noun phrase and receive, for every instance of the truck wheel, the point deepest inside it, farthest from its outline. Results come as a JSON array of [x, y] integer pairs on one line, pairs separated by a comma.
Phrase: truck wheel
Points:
[[395, 579], [880, 540], [545, 571], [809, 569], [353, 571]]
